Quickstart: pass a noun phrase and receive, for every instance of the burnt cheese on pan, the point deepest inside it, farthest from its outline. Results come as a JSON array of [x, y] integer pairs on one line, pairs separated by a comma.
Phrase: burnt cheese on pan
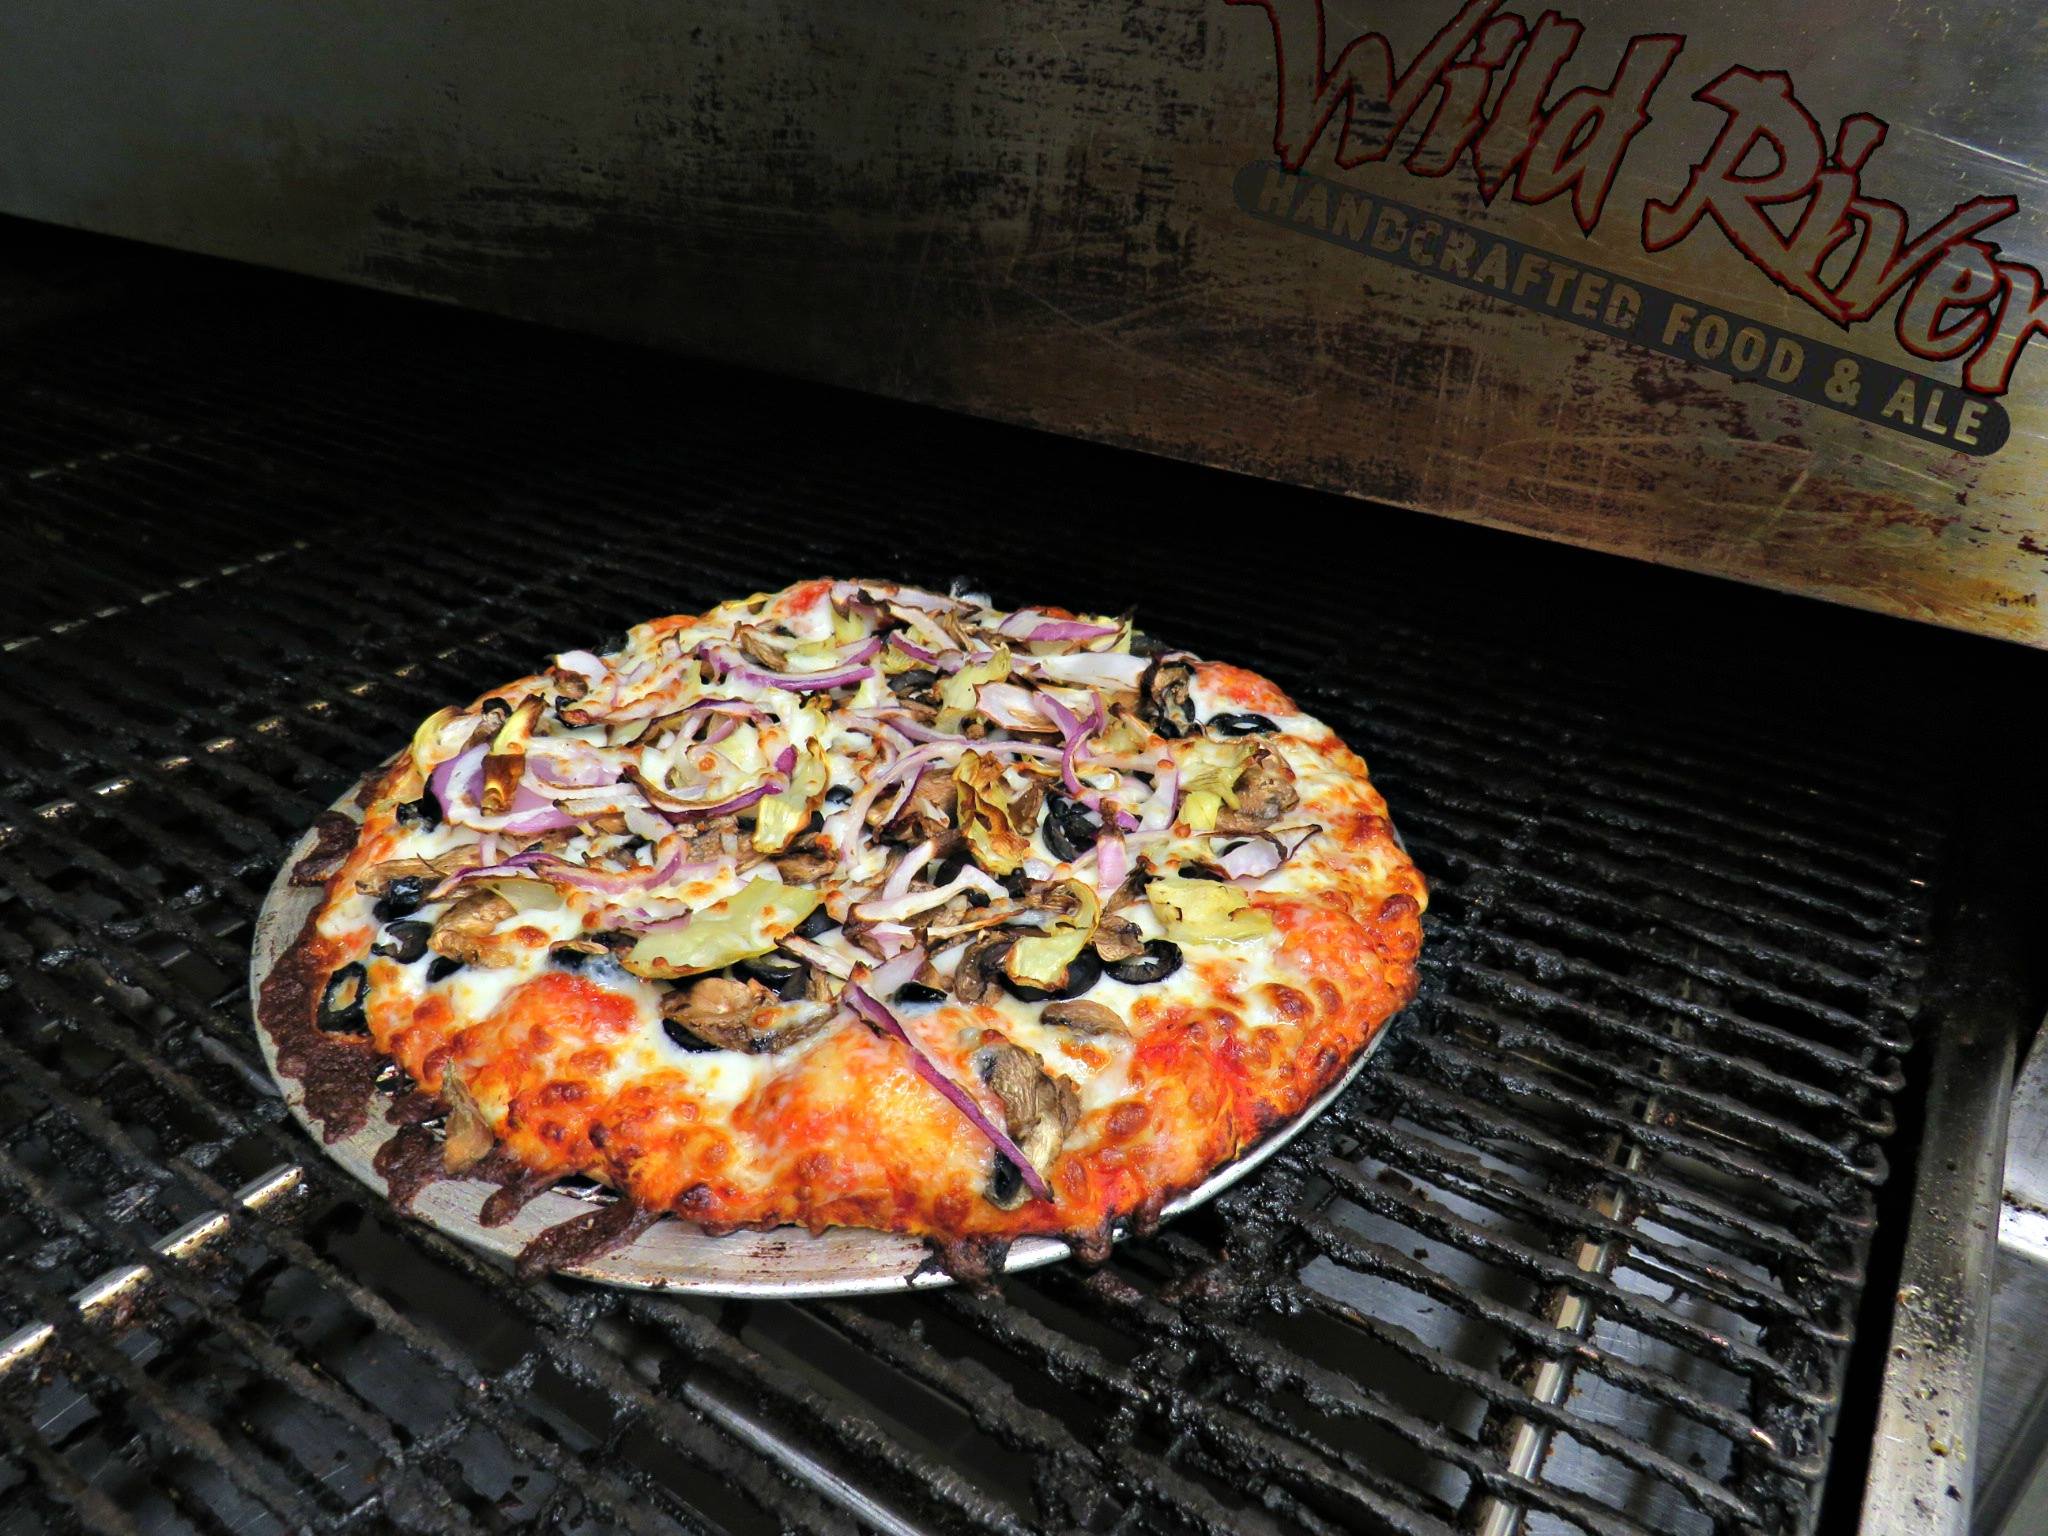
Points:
[[860, 905]]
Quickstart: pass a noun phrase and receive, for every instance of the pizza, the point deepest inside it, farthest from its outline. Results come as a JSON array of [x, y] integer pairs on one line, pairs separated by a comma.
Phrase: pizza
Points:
[[850, 905]]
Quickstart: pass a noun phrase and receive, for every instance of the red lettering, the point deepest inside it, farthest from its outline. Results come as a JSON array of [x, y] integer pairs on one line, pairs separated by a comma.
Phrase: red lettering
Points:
[[1966, 277], [1585, 135], [1359, 81]]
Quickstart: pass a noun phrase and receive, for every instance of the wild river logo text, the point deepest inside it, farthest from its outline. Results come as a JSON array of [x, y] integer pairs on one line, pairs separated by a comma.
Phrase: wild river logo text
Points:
[[1785, 196]]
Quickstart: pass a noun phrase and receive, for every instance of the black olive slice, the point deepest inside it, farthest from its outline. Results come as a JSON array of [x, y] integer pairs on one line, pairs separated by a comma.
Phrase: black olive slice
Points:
[[1004, 1180], [1068, 831], [782, 974], [914, 680], [401, 898], [1083, 971], [818, 922], [676, 1032], [341, 1005], [404, 941], [444, 966], [421, 812], [1241, 725], [838, 794], [916, 992], [1159, 959]]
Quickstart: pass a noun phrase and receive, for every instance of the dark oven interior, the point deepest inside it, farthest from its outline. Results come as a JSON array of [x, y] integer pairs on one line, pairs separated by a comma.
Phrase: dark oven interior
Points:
[[1601, 1242]]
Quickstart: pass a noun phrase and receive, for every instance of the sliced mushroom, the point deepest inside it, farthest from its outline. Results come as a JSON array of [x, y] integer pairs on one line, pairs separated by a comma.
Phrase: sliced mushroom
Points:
[[1264, 790], [971, 919], [469, 1139], [759, 650], [708, 841], [1084, 1018], [1163, 698], [1038, 1111], [1117, 938], [806, 864], [980, 969], [928, 813], [465, 930], [376, 880], [736, 1015]]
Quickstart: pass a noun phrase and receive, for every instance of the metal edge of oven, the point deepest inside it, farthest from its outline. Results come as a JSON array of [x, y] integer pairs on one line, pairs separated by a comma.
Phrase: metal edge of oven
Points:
[[1984, 1003]]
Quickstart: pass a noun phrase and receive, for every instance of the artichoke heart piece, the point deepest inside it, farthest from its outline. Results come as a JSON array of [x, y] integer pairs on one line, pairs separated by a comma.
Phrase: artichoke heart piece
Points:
[[1206, 911], [1208, 780], [428, 737], [957, 693], [506, 760], [780, 819], [748, 923], [996, 819], [1042, 960]]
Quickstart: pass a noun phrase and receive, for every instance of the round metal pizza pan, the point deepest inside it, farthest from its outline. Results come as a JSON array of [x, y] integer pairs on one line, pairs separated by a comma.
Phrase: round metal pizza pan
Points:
[[671, 1255]]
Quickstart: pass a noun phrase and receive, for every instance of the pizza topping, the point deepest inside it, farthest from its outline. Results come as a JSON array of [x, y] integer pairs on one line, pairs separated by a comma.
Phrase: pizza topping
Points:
[[1240, 725], [1038, 1111], [382, 879], [1209, 778], [342, 1004], [505, 762], [1258, 855], [1117, 938], [466, 931], [782, 816], [1070, 830], [884, 1022], [743, 1015], [980, 967], [1205, 911], [957, 699], [1263, 791], [468, 1139], [403, 941], [1082, 972], [997, 814], [1154, 962], [1045, 959], [751, 922], [1084, 1018], [1163, 697]]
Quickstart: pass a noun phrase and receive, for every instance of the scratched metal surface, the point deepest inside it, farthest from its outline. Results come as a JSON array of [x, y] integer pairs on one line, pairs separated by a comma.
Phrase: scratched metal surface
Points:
[[1028, 214]]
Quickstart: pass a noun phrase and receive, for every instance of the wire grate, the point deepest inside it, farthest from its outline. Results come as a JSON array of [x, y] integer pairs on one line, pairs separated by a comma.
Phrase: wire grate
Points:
[[1581, 1253]]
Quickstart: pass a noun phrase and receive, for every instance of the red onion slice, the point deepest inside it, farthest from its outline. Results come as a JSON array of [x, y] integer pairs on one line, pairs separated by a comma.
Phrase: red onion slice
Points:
[[906, 870], [1112, 861], [1073, 736], [584, 664], [1250, 859], [842, 674], [887, 1023], [886, 978], [772, 785], [1011, 707], [1096, 669], [816, 954], [1031, 624], [1158, 812], [918, 653]]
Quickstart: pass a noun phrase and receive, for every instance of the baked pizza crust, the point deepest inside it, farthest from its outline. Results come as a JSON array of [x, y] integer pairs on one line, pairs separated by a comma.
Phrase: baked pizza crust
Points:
[[543, 1055]]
